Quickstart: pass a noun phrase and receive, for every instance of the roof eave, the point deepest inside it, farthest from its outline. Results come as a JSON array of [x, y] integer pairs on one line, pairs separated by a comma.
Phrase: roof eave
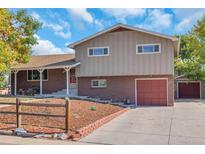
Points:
[[47, 67]]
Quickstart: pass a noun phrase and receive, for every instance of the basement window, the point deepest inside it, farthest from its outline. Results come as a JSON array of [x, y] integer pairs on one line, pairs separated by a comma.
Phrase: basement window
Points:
[[99, 83], [34, 75]]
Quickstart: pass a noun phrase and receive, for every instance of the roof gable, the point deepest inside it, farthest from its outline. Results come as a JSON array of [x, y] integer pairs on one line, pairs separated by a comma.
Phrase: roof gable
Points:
[[122, 27]]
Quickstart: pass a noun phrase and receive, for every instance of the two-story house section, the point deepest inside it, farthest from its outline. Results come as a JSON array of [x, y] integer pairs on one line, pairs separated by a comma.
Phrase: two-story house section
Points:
[[125, 63]]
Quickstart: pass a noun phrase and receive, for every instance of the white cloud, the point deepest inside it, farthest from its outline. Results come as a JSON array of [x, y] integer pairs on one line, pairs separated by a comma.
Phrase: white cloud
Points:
[[62, 29], [59, 29], [46, 47], [35, 15], [187, 17], [81, 13], [183, 25], [121, 14], [157, 20], [36, 36], [99, 23], [160, 19]]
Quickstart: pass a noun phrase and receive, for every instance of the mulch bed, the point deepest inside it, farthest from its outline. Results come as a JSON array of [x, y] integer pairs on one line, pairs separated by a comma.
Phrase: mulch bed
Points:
[[81, 116]]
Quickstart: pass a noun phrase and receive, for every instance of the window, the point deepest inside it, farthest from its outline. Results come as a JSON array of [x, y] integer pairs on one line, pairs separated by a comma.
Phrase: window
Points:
[[34, 75], [98, 83], [148, 48], [98, 51]]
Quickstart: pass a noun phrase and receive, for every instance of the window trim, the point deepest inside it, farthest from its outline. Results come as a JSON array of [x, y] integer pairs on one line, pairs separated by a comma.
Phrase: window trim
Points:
[[137, 45], [32, 78], [98, 86], [98, 55]]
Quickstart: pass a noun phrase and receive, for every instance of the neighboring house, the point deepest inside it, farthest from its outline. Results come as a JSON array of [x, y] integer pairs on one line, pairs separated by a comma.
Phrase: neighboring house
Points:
[[189, 89], [121, 63]]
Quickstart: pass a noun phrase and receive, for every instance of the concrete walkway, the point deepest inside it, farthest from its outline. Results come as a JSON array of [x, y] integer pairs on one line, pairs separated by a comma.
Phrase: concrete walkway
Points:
[[182, 124]]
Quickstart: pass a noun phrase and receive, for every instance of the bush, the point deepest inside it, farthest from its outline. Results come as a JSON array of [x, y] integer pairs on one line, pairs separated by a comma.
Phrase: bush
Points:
[[3, 81], [93, 108]]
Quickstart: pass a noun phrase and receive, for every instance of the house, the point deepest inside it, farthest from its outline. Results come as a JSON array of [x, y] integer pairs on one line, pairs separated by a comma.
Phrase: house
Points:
[[121, 63]]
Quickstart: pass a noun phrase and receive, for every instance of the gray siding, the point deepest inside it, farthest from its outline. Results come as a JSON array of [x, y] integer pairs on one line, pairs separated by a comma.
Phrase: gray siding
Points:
[[203, 89], [123, 59]]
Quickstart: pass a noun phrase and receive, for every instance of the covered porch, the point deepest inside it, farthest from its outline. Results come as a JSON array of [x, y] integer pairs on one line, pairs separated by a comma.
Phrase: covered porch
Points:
[[53, 75]]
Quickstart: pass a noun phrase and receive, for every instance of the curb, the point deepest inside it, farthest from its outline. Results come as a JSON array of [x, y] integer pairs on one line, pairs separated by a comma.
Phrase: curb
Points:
[[82, 132]]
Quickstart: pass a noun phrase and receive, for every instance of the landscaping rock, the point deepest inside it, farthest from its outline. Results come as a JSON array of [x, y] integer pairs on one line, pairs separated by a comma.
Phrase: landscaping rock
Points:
[[43, 136], [75, 115], [21, 132], [55, 136], [61, 136]]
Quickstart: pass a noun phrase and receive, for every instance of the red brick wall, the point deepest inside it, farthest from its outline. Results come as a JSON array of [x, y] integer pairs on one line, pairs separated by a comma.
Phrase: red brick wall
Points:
[[119, 87], [56, 81]]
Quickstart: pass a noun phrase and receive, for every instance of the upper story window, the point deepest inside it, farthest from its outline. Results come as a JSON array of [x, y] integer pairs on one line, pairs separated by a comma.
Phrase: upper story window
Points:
[[34, 75], [148, 48], [98, 51]]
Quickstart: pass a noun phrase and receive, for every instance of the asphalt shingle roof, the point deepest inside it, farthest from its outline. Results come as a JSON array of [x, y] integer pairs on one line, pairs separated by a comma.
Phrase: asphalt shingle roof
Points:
[[39, 61]]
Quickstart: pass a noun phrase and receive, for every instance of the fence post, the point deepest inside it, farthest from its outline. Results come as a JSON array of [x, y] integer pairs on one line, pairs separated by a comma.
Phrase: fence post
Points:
[[67, 114], [18, 110]]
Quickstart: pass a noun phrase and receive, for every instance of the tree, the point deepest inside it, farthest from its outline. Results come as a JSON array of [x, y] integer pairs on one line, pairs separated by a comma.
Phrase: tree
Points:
[[16, 38], [191, 60], [191, 67]]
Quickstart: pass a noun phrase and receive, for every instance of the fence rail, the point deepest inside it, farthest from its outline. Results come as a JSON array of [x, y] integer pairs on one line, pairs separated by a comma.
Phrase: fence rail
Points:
[[19, 113], [4, 103]]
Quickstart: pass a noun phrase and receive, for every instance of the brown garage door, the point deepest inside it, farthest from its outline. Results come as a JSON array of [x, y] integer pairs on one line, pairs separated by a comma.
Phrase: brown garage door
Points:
[[189, 90], [151, 92]]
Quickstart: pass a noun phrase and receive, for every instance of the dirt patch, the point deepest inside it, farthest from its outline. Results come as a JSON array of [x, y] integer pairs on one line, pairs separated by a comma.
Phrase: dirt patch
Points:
[[83, 113]]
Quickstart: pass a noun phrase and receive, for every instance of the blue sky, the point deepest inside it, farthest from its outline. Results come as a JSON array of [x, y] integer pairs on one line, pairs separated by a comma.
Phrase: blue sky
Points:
[[64, 26]]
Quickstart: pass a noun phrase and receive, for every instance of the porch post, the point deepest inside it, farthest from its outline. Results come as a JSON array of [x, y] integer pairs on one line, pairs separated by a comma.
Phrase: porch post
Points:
[[10, 82], [41, 82], [67, 69], [15, 81]]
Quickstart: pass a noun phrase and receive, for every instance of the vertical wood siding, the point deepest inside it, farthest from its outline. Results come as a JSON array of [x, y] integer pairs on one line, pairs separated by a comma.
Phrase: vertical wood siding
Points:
[[123, 59]]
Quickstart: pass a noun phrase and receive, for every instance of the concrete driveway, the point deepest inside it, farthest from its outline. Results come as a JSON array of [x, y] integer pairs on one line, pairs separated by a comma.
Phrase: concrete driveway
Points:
[[182, 124]]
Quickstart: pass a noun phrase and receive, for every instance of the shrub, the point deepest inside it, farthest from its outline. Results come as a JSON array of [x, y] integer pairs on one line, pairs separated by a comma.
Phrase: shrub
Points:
[[93, 108]]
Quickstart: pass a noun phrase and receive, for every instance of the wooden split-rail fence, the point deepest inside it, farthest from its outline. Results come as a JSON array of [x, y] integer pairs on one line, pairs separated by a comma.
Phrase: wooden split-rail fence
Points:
[[19, 113]]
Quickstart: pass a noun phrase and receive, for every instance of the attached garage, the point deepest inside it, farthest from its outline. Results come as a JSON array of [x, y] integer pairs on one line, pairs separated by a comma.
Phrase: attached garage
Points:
[[189, 89], [151, 92]]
